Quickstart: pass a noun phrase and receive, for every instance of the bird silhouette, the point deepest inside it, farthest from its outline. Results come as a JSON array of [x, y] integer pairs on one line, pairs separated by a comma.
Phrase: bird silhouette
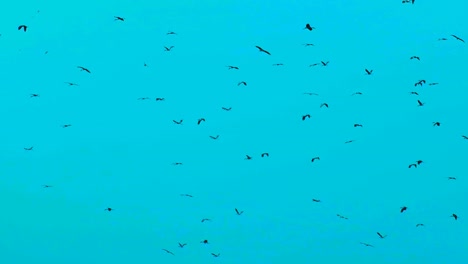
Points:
[[420, 103], [226, 108], [215, 255], [28, 148], [458, 38], [204, 241], [177, 163], [349, 141], [167, 251], [46, 186], [232, 67], [216, 137], [200, 120], [342, 217], [119, 18], [160, 99], [357, 125], [143, 98], [83, 69], [380, 235], [369, 72], [367, 245], [324, 104], [305, 116], [238, 212], [182, 245], [262, 50], [71, 84], [205, 220], [436, 123], [465, 137], [357, 93], [414, 57], [178, 122], [451, 178], [308, 44], [415, 93], [108, 209], [418, 225], [310, 93], [314, 159], [34, 95], [455, 216], [413, 165], [67, 125], [265, 155], [404, 208], [431, 84], [247, 157], [186, 195], [168, 49], [171, 33], [24, 27], [310, 28], [316, 200], [324, 63], [244, 83], [278, 64]]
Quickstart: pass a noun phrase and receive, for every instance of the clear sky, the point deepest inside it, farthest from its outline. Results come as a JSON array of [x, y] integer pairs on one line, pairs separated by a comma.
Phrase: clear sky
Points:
[[119, 151]]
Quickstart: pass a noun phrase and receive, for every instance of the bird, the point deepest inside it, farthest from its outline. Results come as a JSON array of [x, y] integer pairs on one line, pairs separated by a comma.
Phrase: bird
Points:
[[143, 98], [215, 255], [83, 69], [67, 125], [316, 200], [451, 178], [349, 141], [71, 84], [178, 122], [204, 241], [168, 251], [119, 18], [367, 245], [244, 83], [265, 155], [34, 95], [307, 26], [168, 49], [436, 123], [226, 108], [262, 50], [314, 159], [200, 120], [434, 83], [108, 209], [171, 33], [182, 245], [232, 67], [214, 137], [369, 72], [420, 103], [310, 93], [205, 220], [247, 157], [324, 63], [357, 125], [342, 217], [305, 116], [177, 163], [413, 165], [454, 216], [324, 104], [357, 93], [414, 57], [404, 208], [308, 44], [24, 27], [418, 225], [465, 137], [238, 212], [441, 39], [160, 99], [46, 186], [380, 235], [419, 162], [415, 93], [458, 38], [315, 64], [28, 148], [187, 195], [278, 64]]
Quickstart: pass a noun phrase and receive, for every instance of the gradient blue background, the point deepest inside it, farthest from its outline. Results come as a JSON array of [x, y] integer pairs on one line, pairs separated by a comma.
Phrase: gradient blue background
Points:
[[119, 150]]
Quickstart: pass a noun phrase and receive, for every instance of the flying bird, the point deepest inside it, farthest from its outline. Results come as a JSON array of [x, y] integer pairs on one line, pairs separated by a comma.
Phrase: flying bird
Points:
[[238, 212], [83, 69], [46, 186], [232, 67], [465, 137], [200, 120], [205, 219], [226, 109], [71, 84], [367, 245], [109, 209], [357, 125], [454, 216], [24, 27], [119, 18], [458, 38], [349, 141], [308, 44], [380, 235], [278, 64], [433, 83], [244, 83], [34, 95], [160, 99], [316, 200], [414, 57], [182, 245], [186, 195], [342, 217], [404, 208], [415, 93], [177, 163], [418, 225], [413, 165], [310, 28], [215, 255], [204, 241], [171, 33], [247, 157], [419, 162], [369, 72], [67, 125], [324, 104], [305, 116], [324, 63], [314, 159], [265, 155], [168, 251], [262, 50], [436, 123], [451, 178], [28, 148], [310, 93], [357, 93], [216, 137], [143, 98], [168, 49], [178, 122], [420, 103]]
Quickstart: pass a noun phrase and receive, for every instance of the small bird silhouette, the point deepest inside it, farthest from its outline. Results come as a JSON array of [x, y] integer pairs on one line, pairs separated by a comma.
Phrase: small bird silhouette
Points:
[[247, 157], [311, 93], [415, 93], [413, 165], [404, 208], [178, 122], [204, 241], [436, 123], [367, 245], [310, 28], [451, 178], [418, 225], [238, 212], [71, 84], [342, 217], [369, 72], [357, 93], [324, 104], [265, 155], [262, 50], [305, 116], [205, 220], [215, 255], [200, 120], [119, 18], [226, 108], [316, 200], [28, 148], [454, 216], [24, 27], [420, 83], [314, 159], [349, 141], [434, 83], [380, 235], [244, 83], [177, 163], [357, 125], [168, 49], [108, 209], [168, 251], [465, 137], [458, 38], [414, 57], [67, 125], [160, 99], [186, 195], [83, 69], [324, 63], [216, 137], [171, 33], [143, 98], [278, 64], [420, 103], [232, 67], [308, 44], [34, 95], [46, 186], [182, 245]]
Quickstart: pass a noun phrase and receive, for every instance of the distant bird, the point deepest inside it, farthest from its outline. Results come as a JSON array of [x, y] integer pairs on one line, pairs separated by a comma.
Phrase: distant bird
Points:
[[357, 93], [200, 120], [232, 67], [436, 123], [419, 162], [178, 122], [342, 217], [420, 103], [349, 141], [308, 44], [168, 49], [67, 125], [160, 99], [314, 159], [265, 155], [369, 72], [143, 98], [315, 64], [69, 83], [186, 195], [458, 38], [247, 157], [451, 178], [305, 116], [119, 18], [182, 245], [215, 255], [404, 208], [418, 225], [226, 109], [415, 93], [216, 137], [204, 241], [442, 39], [310, 93], [46, 186], [262, 50], [465, 137], [309, 27], [367, 245], [244, 83], [24, 27], [433, 83], [278, 64], [168, 251], [34, 95], [28, 148], [108, 209], [380, 235], [83, 69], [316, 200], [324, 63], [205, 220], [171, 33], [420, 83], [413, 165], [324, 104], [414, 57], [357, 125], [177, 163], [454, 216], [238, 212]]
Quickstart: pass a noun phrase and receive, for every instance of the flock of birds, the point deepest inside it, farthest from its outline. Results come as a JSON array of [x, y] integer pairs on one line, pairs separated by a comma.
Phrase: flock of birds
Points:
[[304, 117]]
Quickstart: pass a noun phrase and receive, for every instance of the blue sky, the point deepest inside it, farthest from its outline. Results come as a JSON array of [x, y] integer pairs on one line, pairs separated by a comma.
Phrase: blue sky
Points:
[[119, 151]]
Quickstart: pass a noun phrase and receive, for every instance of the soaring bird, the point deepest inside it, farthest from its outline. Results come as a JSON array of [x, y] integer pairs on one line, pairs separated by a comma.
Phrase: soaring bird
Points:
[[67, 125], [434, 83], [418, 225], [420, 83], [419, 162], [454, 216], [357, 93], [458, 38], [436, 123], [182, 245], [71, 84], [342, 217], [380, 235], [171, 33], [349, 141], [46, 186], [226, 108], [119, 18], [404, 208], [204, 241], [420, 103], [316, 200], [177, 163], [109, 209], [324, 63], [451, 178], [262, 50], [34, 95], [265, 155], [414, 57], [205, 219], [413, 165], [309, 27], [369, 72], [367, 245], [168, 251], [315, 64], [278, 64], [238, 212], [28, 148], [24, 27], [83, 69], [168, 49], [415, 93], [143, 98], [187, 195], [314, 159], [305, 116], [232, 67], [324, 104], [311, 93], [214, 137], [215, 255], [244, 83], [200, 120], [247, 157], [160, 99], [178, 122], [357, 125], [308, 44], [465, 137]]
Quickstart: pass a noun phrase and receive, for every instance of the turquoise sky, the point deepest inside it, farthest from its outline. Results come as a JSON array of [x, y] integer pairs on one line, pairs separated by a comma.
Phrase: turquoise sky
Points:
[[119, 151]]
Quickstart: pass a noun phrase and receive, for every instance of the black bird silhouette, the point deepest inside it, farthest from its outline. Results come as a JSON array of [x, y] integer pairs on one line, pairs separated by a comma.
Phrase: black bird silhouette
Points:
[[357, 125], [34, 95], [69, 83], [200, 120], [315, 64], [247, 157], [419, 162], [311, 93], [420, 103], [168, 251], [265, 155], [171, 33], [418, 225], [309, 27], [24, 27], [46, 186], [186, 195], [433, 83], [415, 93], [308, 44], [451, 178], [168, 49], [314, 159], [204, 241], [178, 123], [226, 109], [413, 165], [119, 18], [28, 148], [67, 125], [160, 99], [109, 209], [324, 104], [216, 137], [369, 72], [442, 39], [232, 67], [177, 163], [278, 64], [83, 69], [367, 245], [205, 219], [380, 235], [244, 83], [414, 57], [454, 216], [324, 63], [238, 212], [436, 123], [143, 98], [349, 141], [404, 208], [458, 38], [357, 93], [342, 217], [316, 200], [305, 116], [215, 255], [465, 137], [262, 50], [182, 245]]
